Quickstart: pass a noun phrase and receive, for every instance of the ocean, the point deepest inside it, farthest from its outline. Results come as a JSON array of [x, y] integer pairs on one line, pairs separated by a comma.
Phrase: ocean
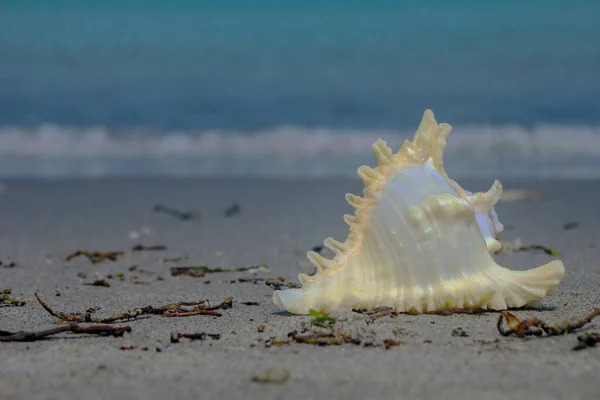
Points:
[[296, 88]]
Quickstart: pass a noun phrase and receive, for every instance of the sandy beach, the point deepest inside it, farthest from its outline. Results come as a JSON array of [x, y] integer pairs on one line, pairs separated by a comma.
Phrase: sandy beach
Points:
[[42, 222]]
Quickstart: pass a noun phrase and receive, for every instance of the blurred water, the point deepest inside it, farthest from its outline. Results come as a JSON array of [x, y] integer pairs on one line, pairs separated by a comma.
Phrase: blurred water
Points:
[[133, 79]]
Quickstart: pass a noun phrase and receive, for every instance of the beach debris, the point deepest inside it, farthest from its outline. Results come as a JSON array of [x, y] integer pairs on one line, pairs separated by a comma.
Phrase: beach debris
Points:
[[175, 336], [459, 332], [260, 329], [272, 375], [156, 247], [7, 300], [24, 336], [180, 215], [520, 194], [98, 282], [317, 249], [250, 303], [318, 318], [179, 309], [588, 339], [95, 257], [378, 312], [509, 246], [325, 338], [537, 327], [125, 348], [570, 225], [278, 283], [388, 343], [173, 259], [7, 265], [250, 280], [233, 210], [198, 271]]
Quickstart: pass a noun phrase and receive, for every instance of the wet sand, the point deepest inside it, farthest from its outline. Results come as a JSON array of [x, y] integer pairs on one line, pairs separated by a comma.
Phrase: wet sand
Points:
[[43, 222]]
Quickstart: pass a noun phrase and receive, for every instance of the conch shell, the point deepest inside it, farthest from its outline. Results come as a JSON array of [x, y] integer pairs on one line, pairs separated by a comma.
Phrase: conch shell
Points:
[[418, 242]]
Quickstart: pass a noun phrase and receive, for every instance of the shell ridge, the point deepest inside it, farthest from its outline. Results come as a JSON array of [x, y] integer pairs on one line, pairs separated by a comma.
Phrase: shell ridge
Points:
[[374, 179]]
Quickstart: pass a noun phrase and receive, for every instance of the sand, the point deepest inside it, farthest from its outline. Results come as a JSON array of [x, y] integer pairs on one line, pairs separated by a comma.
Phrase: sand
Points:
[[42, 222]]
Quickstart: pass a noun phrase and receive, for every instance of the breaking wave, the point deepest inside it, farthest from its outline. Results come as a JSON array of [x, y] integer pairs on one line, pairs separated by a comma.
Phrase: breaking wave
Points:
[[51, 150]]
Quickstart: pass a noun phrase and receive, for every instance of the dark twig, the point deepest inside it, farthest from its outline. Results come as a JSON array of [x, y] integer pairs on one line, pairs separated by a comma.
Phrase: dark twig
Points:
[[198, 271], [233, 210], [179, 309], [537, 327], [98, 282], [156, 247], [95, 257], [182, 216], [23, 336], [193, 336], [586, 340]]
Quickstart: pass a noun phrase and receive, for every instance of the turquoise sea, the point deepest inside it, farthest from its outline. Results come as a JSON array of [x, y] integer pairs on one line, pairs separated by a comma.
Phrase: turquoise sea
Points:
[[296, 88]]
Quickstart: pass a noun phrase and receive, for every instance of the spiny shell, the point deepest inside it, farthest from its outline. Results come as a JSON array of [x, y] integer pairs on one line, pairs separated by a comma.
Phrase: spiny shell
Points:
[[418, 242]]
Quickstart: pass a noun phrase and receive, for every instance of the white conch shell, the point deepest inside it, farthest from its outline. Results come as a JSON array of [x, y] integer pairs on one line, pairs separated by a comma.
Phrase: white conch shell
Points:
[[418, 242]]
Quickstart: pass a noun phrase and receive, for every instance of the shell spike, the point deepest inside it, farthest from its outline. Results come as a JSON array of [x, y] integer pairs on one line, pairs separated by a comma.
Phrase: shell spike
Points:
[[321, 263], [334, 245], [383, 152], [440, 147], [354, 200], [484, 202]]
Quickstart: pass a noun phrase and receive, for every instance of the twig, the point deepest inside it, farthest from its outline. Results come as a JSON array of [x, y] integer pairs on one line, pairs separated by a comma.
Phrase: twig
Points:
[[23, 336], [98, 282], [180, 309], [589, 339], [156, 247], [175, 336], [537, 327], [198, 271], [95, 257], [183, 216], [233, 210]]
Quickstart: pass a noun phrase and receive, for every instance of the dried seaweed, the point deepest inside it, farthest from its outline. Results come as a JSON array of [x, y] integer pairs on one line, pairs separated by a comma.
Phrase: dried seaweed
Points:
[[547, 250], [156, 247], [233, 210], [318, 318], [24, 336], [537, 327], [180, 215], [379, 312], [6, 299], [198, 271], [9, 265], [459, 332], [175, 336], [98, 282], [95, 257], [179, 309], [391, 343], [588, 339], [325, 339], [277, 376]]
